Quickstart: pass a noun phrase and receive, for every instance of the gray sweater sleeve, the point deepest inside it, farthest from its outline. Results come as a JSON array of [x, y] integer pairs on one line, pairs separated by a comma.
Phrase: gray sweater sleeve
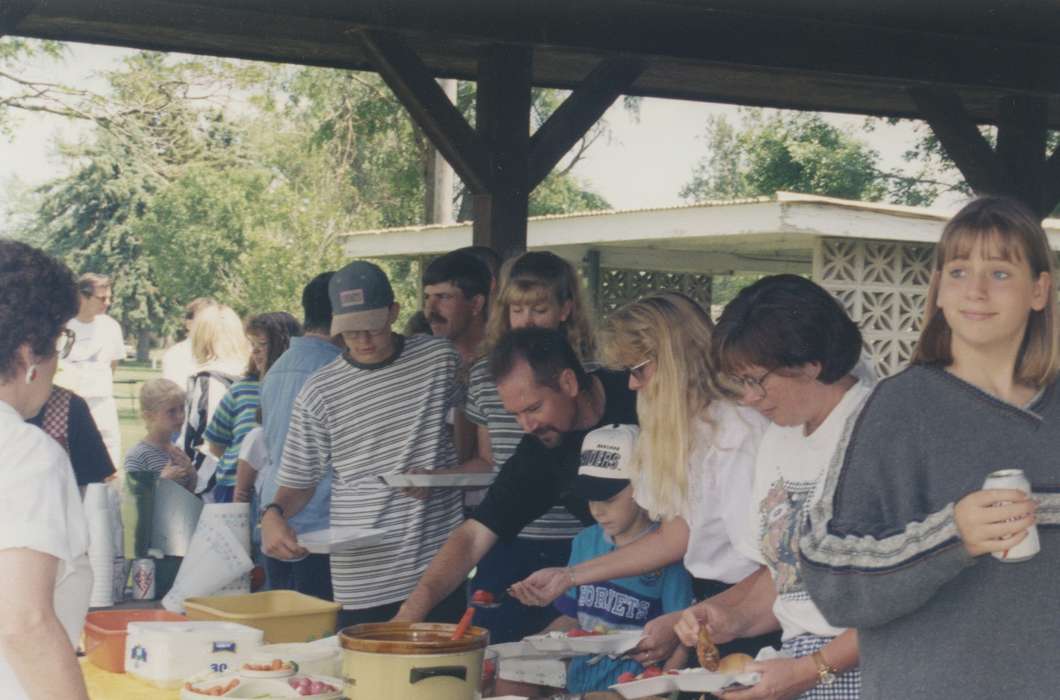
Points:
[[874, 547]]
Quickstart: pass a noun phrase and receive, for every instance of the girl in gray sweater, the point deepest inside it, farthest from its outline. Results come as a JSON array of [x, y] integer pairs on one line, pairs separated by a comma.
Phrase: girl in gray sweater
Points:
[[895, 546]]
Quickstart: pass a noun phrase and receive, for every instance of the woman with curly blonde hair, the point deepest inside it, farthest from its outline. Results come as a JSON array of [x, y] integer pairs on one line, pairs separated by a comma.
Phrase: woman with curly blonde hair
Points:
[[542, 290], [694, 461]]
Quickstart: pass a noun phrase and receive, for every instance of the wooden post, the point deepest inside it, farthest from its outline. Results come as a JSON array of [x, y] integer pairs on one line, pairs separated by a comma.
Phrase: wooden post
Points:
[[1021, 148], [502, 119], [438, 195], [591, 262], [1018, 167]]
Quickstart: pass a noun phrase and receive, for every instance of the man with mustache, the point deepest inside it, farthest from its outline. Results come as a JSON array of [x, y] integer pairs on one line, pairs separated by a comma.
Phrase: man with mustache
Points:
[[556, 402], [456, 289]]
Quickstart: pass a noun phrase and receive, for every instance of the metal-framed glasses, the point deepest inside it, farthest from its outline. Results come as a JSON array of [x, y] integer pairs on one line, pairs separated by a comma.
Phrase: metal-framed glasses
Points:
[[372, 334], [637, 370], [66, 343], [756, 385]]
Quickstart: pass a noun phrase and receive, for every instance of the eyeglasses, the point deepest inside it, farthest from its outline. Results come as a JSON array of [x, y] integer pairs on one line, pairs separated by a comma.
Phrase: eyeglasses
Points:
[[756, 385], [66, 343], [637, 370], [105, 299]]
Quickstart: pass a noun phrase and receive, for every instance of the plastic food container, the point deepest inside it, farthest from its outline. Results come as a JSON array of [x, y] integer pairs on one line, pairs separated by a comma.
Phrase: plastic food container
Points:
[[284, 616], [105, 632], [165, 653], [319, 658]]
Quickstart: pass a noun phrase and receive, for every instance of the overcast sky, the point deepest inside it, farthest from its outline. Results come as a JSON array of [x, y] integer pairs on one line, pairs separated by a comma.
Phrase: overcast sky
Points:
[[644, 164]]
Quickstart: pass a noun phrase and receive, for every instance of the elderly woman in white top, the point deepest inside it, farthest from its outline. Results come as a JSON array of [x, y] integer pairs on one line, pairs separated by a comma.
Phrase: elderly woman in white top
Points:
[[44, 571]]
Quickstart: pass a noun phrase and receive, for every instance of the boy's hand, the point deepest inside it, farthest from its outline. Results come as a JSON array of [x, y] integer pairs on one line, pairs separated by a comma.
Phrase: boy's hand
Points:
[[994, 520], [173, 472], [542, 587]]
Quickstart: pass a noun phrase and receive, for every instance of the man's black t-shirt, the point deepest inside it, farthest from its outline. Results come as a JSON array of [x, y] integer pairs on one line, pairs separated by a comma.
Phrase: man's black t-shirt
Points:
[[535, 477]]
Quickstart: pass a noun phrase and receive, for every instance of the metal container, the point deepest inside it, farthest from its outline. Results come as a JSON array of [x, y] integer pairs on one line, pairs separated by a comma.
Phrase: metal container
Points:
[[1014, 479], [418, 661], [143, 579]]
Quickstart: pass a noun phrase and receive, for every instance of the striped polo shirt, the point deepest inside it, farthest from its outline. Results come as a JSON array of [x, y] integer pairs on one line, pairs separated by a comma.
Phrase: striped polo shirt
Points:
[[483, 407], [235, 416], [362, 422]]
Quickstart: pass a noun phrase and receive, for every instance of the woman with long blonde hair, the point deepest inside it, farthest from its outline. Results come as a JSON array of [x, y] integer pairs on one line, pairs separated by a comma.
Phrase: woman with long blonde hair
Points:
[[542, 290], [221, 350], [694, 462]]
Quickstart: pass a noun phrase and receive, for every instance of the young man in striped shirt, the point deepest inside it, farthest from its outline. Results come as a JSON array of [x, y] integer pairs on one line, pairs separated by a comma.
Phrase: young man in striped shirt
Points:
[[378, 409]]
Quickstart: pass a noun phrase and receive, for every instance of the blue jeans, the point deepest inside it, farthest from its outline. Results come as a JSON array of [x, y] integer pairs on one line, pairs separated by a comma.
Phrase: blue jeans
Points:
[[311, 575], [505, 564]]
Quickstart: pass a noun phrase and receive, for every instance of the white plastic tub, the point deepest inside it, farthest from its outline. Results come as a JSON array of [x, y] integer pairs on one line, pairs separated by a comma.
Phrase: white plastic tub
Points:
[[165, 653]]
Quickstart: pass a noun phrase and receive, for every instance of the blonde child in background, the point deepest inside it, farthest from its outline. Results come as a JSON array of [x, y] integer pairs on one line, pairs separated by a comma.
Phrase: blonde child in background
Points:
[[162, 408]]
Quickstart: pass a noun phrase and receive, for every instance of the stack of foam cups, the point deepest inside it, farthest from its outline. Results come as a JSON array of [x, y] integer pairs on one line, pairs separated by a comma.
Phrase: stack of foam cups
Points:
[[118, 533], [100, 544]]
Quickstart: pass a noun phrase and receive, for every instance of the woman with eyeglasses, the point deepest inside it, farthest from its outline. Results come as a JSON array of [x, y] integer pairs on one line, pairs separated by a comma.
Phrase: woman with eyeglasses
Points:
[[694, 463], [792, 350], [44, 568]]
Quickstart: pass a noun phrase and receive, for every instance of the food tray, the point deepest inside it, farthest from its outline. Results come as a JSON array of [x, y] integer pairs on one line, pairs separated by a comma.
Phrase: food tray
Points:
[[438, 481], [258, 688], [689, 680], [284, 616], [340, 539]]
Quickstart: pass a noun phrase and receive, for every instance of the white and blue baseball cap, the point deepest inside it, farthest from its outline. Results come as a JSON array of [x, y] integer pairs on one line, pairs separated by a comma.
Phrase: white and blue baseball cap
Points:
[[606, 461]]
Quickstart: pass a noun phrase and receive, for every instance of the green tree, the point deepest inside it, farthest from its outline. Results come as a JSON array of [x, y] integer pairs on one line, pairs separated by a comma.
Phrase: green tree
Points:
[[794, 151]]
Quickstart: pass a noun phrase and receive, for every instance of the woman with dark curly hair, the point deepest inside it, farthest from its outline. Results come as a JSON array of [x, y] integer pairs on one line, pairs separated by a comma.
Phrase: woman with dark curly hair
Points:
[[44, 569]]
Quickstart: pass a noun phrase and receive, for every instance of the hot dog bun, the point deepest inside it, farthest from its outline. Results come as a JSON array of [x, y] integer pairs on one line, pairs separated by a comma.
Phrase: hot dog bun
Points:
[[734, 663]]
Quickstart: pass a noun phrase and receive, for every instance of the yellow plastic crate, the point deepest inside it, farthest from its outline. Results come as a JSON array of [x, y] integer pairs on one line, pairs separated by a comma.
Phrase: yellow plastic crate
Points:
[[284, 616]]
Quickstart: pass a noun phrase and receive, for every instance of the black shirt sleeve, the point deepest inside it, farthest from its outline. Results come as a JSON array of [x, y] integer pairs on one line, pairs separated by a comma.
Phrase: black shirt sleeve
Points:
[[524, 490], [88, 454]]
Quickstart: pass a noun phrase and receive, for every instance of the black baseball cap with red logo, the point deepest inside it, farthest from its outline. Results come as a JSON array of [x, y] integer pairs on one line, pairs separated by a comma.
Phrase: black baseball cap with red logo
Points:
[[361, 297]]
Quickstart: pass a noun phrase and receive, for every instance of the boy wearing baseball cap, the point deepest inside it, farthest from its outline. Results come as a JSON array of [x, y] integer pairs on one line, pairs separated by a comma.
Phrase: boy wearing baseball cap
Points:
[[377, 409], [622, 604]]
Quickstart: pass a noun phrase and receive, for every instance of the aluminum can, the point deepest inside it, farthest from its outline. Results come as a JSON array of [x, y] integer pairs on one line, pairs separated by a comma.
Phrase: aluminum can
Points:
[[143, 579], [1014, 479]]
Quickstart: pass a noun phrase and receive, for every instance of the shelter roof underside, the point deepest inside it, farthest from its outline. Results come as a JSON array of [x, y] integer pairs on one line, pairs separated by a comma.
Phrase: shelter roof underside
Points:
[[806, 54]]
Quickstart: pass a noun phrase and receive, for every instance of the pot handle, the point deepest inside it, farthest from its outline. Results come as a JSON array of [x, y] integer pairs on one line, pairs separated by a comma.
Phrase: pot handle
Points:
[[419, 674]]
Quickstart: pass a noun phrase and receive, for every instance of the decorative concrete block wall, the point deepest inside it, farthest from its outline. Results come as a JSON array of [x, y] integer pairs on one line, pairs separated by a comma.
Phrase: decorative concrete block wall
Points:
[[883, 286]]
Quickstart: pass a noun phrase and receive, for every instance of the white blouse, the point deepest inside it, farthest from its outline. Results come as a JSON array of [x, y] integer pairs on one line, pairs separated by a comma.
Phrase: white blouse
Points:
[[40, 509], [720, 476]]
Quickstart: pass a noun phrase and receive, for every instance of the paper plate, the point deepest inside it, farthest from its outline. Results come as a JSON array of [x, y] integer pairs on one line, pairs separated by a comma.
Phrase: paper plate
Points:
[[611, 643], [340, 539], [438, 481]]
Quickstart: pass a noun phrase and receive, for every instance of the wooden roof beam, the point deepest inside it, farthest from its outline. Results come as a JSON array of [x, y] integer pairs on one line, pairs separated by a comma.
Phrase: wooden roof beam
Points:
[[959, 135], [582, 108], [429, 107], [12, 12]]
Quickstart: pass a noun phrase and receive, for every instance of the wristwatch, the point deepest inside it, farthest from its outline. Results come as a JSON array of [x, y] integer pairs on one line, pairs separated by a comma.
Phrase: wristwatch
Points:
[[271, 506], [826, 673]]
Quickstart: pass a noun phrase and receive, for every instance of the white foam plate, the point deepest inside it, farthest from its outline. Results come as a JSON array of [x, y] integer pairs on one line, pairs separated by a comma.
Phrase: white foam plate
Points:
[[690, 680], [547, 642], [340, 539], [437, 481], [660, 685], [611, 643]]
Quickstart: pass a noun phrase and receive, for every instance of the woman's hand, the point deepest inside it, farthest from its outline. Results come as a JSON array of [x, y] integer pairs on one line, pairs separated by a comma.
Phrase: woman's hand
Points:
[[720, 621], [994, 520], [658, 641], [782, 679], [542, 587]]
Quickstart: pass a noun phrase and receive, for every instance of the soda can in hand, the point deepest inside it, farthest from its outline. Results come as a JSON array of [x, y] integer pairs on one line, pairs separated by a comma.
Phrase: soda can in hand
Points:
[[1014, 479]]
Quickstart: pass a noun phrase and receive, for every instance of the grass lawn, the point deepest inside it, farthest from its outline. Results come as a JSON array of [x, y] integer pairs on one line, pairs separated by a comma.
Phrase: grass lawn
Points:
[[127, 381]]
